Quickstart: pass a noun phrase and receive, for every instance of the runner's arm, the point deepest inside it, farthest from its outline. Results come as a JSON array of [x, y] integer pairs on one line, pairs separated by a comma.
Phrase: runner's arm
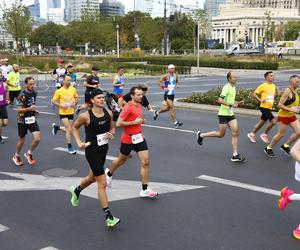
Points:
[[112, 129], [121, 123], [161, 81], [255, 96], [295, 151], [121, 102], [6, 92], [283, 99], [221, 101], [177, 82], [83, 119]]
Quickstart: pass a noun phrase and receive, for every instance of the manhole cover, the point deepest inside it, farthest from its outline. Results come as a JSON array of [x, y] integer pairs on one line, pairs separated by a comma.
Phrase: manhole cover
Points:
[[60, 172]]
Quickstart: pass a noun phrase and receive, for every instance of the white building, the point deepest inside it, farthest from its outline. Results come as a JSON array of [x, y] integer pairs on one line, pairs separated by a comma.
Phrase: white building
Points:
[[56, 15], [242, 20], [75, 8]]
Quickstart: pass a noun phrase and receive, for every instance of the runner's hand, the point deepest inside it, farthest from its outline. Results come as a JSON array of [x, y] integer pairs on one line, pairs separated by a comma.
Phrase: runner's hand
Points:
[[138, 121], [110, 136], [33, 108], [84, 145], [65, 106], [263, 100]]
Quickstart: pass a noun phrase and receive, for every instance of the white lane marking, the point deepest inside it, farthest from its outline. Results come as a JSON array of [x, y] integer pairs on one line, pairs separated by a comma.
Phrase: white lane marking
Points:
[[43, 112], [121, 189], [167, 128], [42, 106], [42, 97], [239, 185], [111, 158], [4, 137], [3, 228], [49, 248]]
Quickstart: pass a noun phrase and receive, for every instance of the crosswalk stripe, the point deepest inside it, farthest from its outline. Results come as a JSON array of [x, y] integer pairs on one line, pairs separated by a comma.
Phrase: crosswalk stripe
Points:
[[111, 158], [3, 228], [49, 248]]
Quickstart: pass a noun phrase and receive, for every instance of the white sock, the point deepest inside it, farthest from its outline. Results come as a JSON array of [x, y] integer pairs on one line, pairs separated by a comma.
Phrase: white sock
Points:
[[294, 197], [29, 152]]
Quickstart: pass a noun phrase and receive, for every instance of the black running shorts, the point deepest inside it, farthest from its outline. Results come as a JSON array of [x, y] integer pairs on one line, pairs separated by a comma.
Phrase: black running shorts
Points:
[[96, 160], [266, 114], [169, 97], [125, 149], [225, 119], [69, 117], [3, 112], [23, 128]]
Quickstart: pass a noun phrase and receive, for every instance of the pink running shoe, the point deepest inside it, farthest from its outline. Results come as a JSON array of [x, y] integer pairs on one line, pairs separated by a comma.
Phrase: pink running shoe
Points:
[[252, 137], [296, 232], [265, 138], [284, 198]]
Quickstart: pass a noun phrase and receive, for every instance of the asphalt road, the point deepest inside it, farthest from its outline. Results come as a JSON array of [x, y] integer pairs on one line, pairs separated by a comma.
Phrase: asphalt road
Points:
[[214, 204]]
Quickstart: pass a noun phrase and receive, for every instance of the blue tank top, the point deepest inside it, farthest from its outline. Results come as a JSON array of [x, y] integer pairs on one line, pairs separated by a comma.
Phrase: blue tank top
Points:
[[119, 89]]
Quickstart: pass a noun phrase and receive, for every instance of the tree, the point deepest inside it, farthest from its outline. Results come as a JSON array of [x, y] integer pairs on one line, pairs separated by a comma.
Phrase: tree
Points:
[[291, 30], [17, 21], [269, 27]]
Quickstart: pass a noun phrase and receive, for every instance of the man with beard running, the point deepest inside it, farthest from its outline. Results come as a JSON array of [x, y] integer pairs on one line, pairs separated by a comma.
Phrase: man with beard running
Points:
[[99, 129]]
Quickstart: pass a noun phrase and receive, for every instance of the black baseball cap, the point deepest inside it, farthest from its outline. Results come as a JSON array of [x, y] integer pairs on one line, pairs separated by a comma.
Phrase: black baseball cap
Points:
[[95, 68], [96, 92]]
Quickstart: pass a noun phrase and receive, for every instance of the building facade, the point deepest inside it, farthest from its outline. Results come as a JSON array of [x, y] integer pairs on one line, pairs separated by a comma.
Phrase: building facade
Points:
[[112, 8], [75, 8], [246, 21]]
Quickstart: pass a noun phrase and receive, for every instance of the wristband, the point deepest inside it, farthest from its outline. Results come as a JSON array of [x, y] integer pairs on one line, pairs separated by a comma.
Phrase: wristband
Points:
[[162, 87]]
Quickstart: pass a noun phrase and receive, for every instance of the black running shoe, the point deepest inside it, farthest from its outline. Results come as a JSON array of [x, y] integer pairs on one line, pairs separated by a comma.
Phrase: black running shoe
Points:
[[55, 128], [155, 114], [237, 158], [286, 150], [178, 125], [199, 138], [269, 152]]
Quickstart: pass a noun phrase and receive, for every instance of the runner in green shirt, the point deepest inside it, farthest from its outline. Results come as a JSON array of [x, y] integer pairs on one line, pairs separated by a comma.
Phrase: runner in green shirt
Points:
[[226, 117]]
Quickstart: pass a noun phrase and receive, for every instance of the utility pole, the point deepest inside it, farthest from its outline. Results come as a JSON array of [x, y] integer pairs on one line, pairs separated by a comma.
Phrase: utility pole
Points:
[[165, 29], [198, 47]]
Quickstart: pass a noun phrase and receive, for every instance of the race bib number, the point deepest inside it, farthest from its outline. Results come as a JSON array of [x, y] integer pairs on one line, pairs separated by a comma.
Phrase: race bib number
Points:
[[171, 89], [29, 120], [270, 98], [138, 138], [1, 98], [102, 139], [297, 171]]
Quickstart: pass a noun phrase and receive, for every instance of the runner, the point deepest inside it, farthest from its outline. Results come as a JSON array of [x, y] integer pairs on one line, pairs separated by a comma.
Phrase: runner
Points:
[[287, 195], [226, 117], [70, 73], [168, 83], [59, 72], [27, 113], [265, 94], [66, 99], [92, 82], [99, 129], [3, 101], [13, 83], [131, 119], [145, 103], [5, 67], [119, 82], [288, 108]]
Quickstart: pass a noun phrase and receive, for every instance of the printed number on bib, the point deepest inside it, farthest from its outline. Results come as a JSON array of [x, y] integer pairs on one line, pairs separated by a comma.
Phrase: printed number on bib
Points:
[[29, 120], [137, 138], [102, 139], [1, 98], [270, 98]]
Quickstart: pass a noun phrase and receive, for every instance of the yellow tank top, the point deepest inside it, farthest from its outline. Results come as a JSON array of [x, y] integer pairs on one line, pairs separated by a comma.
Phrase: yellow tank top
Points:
[[293, 102]]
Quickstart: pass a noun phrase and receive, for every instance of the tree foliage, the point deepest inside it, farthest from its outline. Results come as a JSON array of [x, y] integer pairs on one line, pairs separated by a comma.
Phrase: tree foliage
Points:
[[291, 30]]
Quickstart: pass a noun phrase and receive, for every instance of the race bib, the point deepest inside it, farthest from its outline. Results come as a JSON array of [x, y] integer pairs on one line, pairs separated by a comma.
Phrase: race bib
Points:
[[60, 79], [29, 120], [137, 138], [297, 171], [58, 84], [1, 98], [270, 98], [121, 87], [73, 84], [102, 139]]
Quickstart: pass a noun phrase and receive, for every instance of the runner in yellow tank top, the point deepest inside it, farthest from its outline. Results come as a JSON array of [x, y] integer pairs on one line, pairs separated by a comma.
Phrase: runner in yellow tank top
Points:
[[288, 108]]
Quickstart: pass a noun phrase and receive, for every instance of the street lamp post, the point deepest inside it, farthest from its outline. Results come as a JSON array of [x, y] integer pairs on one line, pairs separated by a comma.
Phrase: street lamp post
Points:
[[118, 42]]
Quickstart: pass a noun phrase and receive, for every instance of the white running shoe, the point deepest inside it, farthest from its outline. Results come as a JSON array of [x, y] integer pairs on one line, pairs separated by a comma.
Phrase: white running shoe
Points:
[[108, 179], [148, 193]]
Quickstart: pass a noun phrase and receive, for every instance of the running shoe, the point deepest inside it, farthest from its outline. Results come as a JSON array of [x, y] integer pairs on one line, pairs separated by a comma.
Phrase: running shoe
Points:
[[55, 128], [17, 160], [265, 138], [269, 152], [112, 221], [296, 232], [108, 179], [155, 114], [148, 193], [74, 197], [237, 158], [199, 138], [1, 141], [178, 125], [71, 150], [284, 199], [252, 137], [29, 158], [285, 149]]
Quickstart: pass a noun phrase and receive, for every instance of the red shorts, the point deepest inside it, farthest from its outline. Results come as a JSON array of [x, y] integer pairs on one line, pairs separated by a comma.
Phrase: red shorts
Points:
[[119, 95], [287, 120]]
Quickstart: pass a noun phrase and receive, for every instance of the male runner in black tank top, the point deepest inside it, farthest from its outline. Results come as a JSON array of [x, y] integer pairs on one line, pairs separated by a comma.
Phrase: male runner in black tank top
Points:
[[99, 129]]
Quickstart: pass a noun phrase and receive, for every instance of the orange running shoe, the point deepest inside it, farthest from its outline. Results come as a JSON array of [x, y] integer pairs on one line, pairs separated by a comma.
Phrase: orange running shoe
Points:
[[17, 161], [29, 158], [296, 232]]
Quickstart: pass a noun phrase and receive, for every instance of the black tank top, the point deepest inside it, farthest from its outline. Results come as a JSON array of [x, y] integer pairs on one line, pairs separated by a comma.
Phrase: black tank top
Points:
[[290, 101], [96, 127]]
